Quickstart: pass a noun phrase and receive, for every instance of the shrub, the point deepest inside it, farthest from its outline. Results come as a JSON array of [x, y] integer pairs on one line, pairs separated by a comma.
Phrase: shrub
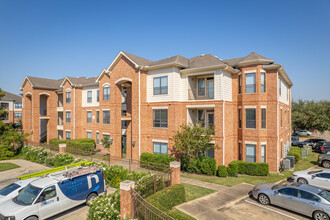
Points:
[[250, 168], [169, 197], [296, 152], [232, 168], [58, 160], [200, 165], [6, 152], [222, 171], [83, 144], [155, 158], [57, 141], [35, 154], [105, 207]]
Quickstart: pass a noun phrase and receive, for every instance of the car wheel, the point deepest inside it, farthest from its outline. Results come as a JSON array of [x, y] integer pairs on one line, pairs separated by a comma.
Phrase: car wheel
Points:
[[302, 180], [318, 215], [263, 199], [91, 197], [326, 164], [32, 218]]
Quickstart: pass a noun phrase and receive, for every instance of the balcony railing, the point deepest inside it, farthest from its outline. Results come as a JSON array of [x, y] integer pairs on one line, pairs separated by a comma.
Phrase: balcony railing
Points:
[[201, 93]]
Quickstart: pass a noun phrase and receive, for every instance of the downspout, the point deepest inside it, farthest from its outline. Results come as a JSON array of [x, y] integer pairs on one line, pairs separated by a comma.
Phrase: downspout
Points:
[[277, 112], [139, 112], [74, 113]]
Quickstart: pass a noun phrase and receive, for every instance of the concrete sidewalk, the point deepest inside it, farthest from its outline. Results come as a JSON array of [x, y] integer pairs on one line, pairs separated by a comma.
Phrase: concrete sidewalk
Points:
[[208, 207]]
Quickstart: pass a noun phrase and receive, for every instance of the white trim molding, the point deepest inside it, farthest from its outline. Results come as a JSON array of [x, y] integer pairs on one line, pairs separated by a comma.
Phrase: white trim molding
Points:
[[105, 133], [44, 93], [106, 84], [263, 106], [250, 142], [200, 106], [263, 143], [250, 71], [250, 106], [160, 107], [160, 141]]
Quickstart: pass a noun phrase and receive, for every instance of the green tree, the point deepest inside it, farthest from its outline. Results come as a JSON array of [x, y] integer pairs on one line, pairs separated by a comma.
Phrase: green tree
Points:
[[2, 111], [193, 140], [106, 142], [311, 115]]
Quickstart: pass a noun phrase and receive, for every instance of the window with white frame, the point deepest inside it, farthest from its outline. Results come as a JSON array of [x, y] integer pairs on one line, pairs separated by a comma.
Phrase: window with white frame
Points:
[[68, 135], [240, 151], [97, 138], [250, 83], [160, 118], [89, 116], [106, 93], [239, 118], [250, 153], [89, 134], [18, 115], [68, 117], [250, 114], [239, 84], [97, 116], [68, 96], [89, 96], [263, 82], [18, 105], [201, 87], [106, 117], [160, 85], [97, 95], [263, 118], [263, 153], [280, 86], [160, 148]]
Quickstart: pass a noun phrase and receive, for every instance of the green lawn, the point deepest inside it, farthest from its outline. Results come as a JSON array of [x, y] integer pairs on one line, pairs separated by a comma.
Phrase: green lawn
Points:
[[303, 164], [7, 166], [192, 192]]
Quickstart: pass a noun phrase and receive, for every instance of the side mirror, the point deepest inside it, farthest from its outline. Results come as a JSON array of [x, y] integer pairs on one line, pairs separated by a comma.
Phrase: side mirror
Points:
[[276, 192], [313, 176], [41, 198]]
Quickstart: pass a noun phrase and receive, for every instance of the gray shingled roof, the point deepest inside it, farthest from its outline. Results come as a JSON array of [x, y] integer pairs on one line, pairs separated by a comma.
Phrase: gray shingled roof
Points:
[[204, 61], [179, 60], [252, 57], [11, 97], [45, 83], [138, 60], [83, 81]]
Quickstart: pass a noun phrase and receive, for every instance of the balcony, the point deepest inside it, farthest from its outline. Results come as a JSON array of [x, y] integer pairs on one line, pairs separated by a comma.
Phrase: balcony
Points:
[[201, 94], [205, 116], [201, 87]]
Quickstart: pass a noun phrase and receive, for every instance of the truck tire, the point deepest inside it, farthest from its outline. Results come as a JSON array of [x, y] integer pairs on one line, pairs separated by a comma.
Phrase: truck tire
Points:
[[32, 218], [326, 164], [90, 197], [302, 180]]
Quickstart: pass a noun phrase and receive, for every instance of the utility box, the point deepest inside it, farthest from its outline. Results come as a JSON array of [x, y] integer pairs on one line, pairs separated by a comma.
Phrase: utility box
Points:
[[291, 158], [304, 152], [286, 163]]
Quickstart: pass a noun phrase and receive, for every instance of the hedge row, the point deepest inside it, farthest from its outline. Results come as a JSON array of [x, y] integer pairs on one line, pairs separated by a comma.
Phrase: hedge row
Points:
[[296, 152], [200, 165], [242, 167], [84, 144]]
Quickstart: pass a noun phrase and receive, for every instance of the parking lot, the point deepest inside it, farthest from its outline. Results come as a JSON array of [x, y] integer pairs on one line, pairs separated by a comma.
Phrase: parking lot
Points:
[[249, 208]]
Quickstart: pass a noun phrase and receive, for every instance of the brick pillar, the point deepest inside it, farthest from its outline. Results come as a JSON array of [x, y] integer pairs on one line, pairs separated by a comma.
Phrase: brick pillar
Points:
[[175, 172], [62, 148], [126, 200]]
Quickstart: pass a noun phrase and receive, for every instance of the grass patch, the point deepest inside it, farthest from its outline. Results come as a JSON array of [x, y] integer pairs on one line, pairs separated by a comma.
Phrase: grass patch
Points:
[[195, 192], [232, 181], [178, 215], [7, 166], [307, 162]]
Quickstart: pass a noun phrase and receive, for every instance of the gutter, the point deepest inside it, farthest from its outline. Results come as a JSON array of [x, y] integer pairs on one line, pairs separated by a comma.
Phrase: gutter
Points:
[[139, 113], [280, 70], [220, 66], [74, 113]]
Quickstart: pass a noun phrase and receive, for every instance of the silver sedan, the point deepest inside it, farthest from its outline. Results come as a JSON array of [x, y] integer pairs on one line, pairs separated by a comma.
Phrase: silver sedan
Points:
[[318, 178], [301, 198]]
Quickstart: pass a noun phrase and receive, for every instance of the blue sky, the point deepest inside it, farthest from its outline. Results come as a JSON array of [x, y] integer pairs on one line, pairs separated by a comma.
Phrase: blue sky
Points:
[[54, 39]]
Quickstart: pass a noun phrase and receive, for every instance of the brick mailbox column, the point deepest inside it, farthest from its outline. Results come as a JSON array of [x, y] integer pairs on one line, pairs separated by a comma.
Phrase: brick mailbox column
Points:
[[62, 148], [175, 172], [126, 200]]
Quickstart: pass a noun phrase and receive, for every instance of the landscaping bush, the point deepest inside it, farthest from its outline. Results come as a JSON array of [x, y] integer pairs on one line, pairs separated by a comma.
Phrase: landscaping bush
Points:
[[155, 158], [200, 165], [35, 154], [250, 168], [222, 171], [58, 160], [6, 152], [232, 168], [83, 144], [115, 174], [105, 207], [57, 141], [169, 197], [296, 152]]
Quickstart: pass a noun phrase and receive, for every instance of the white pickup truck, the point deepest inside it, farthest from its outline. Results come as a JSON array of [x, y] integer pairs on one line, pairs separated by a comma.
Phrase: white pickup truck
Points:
[[55, 193]]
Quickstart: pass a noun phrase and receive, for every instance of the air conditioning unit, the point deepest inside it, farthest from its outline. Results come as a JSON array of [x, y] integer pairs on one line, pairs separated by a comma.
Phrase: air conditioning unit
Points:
[[286, 163], [291, 158]]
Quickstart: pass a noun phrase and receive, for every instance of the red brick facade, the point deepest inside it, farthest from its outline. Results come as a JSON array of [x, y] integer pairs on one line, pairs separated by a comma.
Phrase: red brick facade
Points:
[[124, 73]]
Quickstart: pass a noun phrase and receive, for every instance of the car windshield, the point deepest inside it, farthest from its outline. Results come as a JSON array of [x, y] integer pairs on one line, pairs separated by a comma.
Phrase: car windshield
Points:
[[325, 194], [27, 195], [8, 189]]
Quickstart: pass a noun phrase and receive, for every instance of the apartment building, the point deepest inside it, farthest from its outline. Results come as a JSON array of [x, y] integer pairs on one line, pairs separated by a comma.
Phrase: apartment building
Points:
[[13, 105], [140, 104]]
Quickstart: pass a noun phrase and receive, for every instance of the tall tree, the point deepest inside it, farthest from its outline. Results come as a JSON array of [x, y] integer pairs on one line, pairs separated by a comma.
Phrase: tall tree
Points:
[[2, 111]]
